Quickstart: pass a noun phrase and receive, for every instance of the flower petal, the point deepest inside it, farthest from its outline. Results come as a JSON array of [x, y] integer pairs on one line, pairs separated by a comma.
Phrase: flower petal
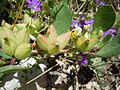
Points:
[[28, 1]]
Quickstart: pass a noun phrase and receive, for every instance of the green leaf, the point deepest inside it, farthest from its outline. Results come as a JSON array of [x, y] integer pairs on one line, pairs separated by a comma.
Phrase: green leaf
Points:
[[31, 29], [111, 48], [2, 62], [98, 64], [103, 42], [19, 27], [37, 23], [27, 19], [54, 12], [104, 18], [5, 55], [11, 68], [63, 20], [1, 32], [117, 22]]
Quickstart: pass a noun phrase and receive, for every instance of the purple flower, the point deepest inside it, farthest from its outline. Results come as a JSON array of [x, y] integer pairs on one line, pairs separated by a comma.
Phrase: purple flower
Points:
[[102, 3], [89, 22], [34, 4], [110, 31], [76, 23], [81, 23], [83, 60]]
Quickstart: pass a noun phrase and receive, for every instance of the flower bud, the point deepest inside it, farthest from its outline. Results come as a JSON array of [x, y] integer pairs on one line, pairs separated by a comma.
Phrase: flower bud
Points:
[[81, 43], [53, 48], [8, 42], [22, 37], [9, 46], [94, 40], [23, 51], [42, 42], [52, 43]]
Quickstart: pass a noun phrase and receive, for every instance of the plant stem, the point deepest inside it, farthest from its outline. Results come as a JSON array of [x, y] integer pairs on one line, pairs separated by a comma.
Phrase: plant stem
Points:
[[18, 14]]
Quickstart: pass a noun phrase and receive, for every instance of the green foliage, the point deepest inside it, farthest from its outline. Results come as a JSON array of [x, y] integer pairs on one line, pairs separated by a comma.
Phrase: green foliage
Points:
[[98, 64], [62, 17], [104, 41], [111, 48], [117, 22], [5, 55], [11, 68], [2, 62], [104, 18], [51, 29], [33, 24]]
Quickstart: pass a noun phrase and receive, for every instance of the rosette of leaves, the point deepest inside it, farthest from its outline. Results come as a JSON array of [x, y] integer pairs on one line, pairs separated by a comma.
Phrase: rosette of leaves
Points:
[[16, 44], [34, 24], [51, 43]]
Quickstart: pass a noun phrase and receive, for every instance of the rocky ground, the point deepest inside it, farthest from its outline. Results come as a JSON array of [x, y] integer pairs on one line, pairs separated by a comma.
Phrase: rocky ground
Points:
[[65, 76]]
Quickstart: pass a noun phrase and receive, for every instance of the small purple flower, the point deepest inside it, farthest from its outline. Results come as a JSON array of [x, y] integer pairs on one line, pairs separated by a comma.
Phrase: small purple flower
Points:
[[83, 60], [102, 3], [81, 16], [74, 22], [110, 31], [89, 22], [34, 5], [81, 23]]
